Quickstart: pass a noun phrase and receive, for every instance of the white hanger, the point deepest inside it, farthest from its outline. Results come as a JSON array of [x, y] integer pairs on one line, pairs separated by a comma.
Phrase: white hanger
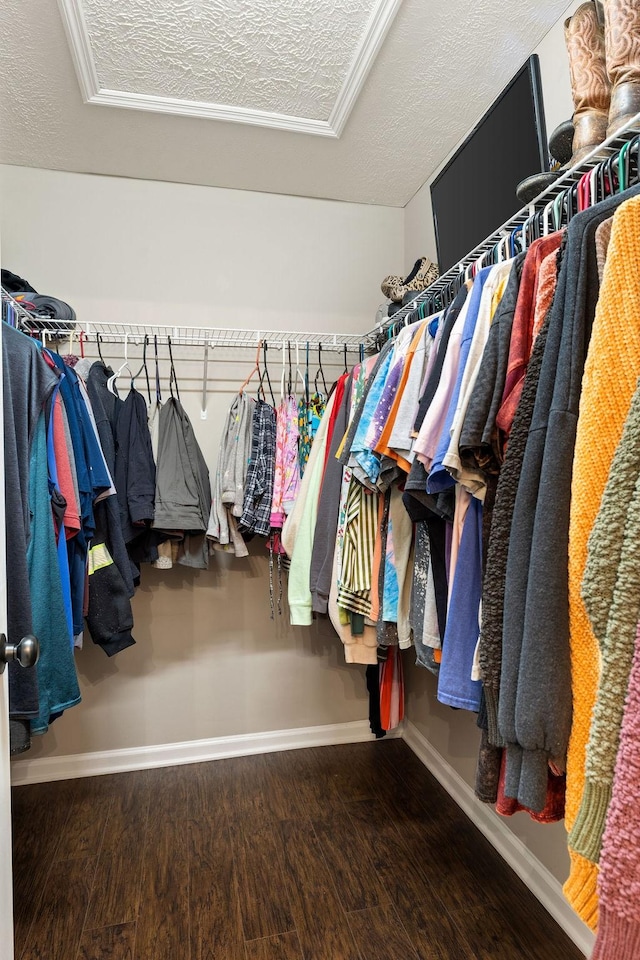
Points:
[[593, 187], [111, 382], [282, 378], [205, 380], [545, 218], [298, 371]]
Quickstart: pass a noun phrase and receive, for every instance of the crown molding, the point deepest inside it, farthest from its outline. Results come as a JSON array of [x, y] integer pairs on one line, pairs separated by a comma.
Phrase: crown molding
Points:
[[209, 111], [372, 39], [79, 40], [77, 31]]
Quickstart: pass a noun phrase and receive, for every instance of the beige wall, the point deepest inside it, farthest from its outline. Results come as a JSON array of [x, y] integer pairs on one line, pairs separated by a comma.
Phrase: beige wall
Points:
[[208, 662], [152, 252], [556, 92]]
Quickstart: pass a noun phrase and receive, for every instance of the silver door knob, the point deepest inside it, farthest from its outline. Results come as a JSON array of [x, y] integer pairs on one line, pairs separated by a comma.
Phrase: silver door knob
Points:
[[25, 652]]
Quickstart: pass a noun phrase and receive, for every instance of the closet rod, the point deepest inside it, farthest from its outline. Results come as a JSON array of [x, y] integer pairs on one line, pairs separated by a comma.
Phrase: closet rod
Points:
[[610, 148], [179, 335]]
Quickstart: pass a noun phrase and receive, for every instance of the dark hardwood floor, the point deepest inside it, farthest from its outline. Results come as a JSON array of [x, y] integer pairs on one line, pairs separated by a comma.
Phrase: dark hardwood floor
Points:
[[338, 853]]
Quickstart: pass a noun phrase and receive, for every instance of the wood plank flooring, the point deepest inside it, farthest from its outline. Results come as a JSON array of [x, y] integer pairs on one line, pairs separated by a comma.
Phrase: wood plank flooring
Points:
[[351, 852]]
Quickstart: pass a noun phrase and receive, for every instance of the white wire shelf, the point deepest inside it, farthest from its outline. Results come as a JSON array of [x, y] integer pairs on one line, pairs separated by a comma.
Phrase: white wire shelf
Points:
[[217, 336], [178, 335]]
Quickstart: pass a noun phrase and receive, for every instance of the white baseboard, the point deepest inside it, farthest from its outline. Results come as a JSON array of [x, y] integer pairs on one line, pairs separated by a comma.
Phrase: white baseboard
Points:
[[540, 881], [45, 769]]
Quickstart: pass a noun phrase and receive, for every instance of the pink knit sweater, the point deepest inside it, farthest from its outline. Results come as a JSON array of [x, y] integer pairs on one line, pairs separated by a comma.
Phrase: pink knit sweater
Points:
[[619, 879]]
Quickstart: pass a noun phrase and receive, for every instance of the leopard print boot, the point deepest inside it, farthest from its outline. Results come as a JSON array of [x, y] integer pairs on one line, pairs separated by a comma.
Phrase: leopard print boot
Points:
[[426, 274]]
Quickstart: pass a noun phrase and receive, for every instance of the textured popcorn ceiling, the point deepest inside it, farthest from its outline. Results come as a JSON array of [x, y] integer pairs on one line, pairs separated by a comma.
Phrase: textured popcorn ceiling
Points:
[[440, 67], [282, 56]]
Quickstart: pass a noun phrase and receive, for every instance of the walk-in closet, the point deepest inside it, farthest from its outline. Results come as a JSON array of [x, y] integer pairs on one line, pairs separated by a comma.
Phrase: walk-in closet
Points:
[[319, 616]]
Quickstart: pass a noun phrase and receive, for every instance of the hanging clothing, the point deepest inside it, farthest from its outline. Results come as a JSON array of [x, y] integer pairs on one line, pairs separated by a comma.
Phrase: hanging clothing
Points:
[[258, 488], [490, 641], [27, 386], [104, 405], [135, 476], [227, 505], [397, 439], [57, 679], [299, 527], [478, 447], [364, 463], [610, 376], [619, 876], [611, 595], [522, 330], [287, 468], [479, 306], [455, 684], [109, 614], [67, 483], [310, 412], [355, 585], [358, 647], [434, 368], [183, 493], [489, 303], [536, 592], [324, 535]]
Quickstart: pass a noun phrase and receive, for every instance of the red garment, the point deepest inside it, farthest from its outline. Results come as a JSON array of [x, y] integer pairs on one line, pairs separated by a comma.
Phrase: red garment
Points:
[[71, 520], [553, 808], [391, 690], [339, 391], [522, 331]]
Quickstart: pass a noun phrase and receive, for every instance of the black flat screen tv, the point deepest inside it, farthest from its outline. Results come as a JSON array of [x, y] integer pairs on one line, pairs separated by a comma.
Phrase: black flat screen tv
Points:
[[475, 193]]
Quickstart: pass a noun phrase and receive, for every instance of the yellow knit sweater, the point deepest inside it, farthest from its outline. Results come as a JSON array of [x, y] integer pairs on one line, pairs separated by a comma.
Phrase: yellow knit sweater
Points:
[[610, 376]]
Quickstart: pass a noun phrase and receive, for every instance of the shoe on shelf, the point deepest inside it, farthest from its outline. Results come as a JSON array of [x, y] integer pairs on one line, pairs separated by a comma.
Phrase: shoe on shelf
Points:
[[622, 43], [561, 142], [392, 282], [389, 283], [584, 35], [417, 280]]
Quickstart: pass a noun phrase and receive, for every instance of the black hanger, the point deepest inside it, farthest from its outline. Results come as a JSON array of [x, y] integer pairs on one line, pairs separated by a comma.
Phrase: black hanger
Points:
[[572, 201], [346, 366], [260, 394], [143, 367], [99, 345], [601, 191], [608, 175], [306, 376], [265, 373], [155, 350], [320, 370], [173, 380]]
